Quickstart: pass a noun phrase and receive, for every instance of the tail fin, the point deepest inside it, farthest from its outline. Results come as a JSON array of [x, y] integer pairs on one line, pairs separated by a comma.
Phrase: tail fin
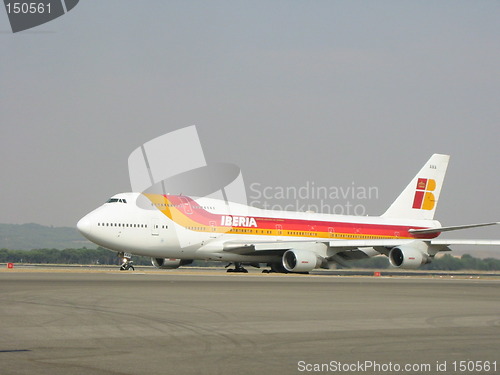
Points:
[[419, 199]]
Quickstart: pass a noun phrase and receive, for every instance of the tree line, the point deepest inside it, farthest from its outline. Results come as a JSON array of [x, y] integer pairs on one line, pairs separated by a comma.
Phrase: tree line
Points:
[[67, 256], [103, 256], [446, 262]]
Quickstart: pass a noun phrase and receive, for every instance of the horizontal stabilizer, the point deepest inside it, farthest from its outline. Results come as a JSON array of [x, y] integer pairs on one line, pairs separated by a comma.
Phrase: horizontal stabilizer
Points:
[[447, 229], [465, 242]]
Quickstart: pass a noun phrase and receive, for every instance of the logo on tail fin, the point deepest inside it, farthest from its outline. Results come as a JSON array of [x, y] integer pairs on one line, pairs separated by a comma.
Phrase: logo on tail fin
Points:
[[424, 198]]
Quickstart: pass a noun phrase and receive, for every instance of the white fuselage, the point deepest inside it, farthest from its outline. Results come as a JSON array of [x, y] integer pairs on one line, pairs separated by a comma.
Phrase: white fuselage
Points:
[[186, 228]]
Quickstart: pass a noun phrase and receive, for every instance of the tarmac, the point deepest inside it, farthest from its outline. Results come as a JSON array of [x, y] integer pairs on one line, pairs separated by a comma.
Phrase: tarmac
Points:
[[87, 321]]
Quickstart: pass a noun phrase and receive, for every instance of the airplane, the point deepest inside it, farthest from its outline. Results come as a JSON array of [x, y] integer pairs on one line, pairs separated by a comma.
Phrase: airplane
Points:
[[175, 230]]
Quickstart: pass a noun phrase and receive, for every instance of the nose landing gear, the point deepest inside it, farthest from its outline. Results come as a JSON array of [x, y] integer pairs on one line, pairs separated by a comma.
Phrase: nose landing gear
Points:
[[127, 262]]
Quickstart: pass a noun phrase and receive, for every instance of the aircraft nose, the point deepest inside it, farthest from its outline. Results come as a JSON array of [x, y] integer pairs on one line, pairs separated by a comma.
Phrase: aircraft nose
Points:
[[84, 226]]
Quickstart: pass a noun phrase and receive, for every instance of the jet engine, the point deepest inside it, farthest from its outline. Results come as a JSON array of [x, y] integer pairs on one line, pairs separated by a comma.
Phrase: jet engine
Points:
[[300, 260], [408, 257], [170, 263]]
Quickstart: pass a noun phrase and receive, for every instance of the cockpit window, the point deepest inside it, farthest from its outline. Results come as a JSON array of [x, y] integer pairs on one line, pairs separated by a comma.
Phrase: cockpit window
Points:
[[116, 200]]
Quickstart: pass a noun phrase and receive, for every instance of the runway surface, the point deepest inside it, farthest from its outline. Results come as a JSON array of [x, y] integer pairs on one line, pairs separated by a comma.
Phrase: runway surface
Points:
[[215, 323]]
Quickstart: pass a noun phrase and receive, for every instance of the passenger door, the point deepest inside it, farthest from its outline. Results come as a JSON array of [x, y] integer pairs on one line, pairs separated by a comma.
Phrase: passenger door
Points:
[[155, 227]]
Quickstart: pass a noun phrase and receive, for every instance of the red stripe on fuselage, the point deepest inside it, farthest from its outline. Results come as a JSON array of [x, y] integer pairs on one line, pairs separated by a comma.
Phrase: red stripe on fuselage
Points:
[[206, 218]]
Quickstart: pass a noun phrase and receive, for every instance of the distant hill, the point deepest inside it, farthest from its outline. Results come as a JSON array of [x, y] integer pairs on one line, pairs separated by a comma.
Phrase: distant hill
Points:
[[35, 236]]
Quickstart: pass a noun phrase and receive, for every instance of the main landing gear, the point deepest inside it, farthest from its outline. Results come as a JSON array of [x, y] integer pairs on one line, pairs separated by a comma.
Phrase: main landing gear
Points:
[[127, 262], [237, 268], [275, 268]]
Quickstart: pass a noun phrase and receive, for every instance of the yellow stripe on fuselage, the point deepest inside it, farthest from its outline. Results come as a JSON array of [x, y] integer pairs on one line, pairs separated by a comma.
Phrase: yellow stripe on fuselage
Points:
[[181, 218]]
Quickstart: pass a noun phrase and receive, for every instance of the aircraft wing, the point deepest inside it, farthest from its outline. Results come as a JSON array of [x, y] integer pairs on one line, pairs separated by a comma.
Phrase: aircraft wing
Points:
[[381, 245], [253, 247], [346, 248], [348, 251]]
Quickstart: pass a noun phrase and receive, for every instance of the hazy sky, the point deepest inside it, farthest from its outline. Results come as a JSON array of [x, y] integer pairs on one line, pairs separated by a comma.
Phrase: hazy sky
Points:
[[293, 92]]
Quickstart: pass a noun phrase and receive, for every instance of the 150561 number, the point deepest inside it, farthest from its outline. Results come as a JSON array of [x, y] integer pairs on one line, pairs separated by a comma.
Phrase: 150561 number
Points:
[[28, 8], [474, 366]]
